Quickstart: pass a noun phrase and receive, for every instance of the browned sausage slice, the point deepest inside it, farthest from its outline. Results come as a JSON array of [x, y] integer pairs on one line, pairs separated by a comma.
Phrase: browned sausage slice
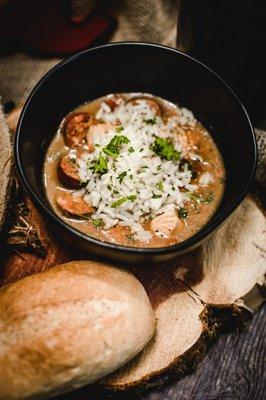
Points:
[[76, 127], [152, 103], [68, 172], [74, 205]]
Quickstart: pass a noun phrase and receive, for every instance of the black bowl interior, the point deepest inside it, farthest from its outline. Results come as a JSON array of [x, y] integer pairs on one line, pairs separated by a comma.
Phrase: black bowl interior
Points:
[[132, 67]]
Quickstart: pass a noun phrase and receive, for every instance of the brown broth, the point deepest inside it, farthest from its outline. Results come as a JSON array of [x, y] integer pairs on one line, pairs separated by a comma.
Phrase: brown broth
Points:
[[199, 213]]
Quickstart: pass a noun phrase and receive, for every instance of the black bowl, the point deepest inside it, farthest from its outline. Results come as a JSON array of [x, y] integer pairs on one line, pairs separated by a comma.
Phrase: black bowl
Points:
[[135, 67]]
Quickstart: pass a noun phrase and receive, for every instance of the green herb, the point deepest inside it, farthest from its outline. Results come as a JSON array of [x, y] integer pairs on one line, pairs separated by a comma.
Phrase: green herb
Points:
[[156, 196], [122, 200], [97, 145], [151, 121], [131, 176], [182, 213], [119, 129], [132, 197], [164, 148], [116, 191], [173, 188], [118, 202], [131, 150], [209, 198], [88, 165], [144, 166], [109, 186], [141, 150], [121, 176], [194, 196], [159, 185], [199, 199], [101, 166], [113, 147], [97, 222], [159, 167], [130, 237]]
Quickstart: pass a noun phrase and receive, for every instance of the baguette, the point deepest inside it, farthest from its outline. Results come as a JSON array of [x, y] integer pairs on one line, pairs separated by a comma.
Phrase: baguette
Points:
[[69, 326]]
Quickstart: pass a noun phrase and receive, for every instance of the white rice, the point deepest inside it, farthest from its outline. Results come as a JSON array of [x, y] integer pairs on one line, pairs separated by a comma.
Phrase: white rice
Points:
[[145, 170]]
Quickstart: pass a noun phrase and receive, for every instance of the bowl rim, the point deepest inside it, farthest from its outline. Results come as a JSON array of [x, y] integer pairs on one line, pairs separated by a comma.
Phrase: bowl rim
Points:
[[197, 238]]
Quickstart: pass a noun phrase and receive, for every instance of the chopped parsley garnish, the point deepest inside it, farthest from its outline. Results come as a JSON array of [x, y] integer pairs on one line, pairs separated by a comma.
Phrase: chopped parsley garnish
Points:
[[164, 148], [118, 202], [156, 196], [101, 166], [151, 121], [159, 167], [109, 187], [131, 150], [122, 176], [144, 166], [131, 176], [159, 185], [194, 196], [88, 165], [116, 191], [119, 129], [132, 197], [209, 198], [182, 213], [200, 199], [97, 222], [113, 147], [130, 238]]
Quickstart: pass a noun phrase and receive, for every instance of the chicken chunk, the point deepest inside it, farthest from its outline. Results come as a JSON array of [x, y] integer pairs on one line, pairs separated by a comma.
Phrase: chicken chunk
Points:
[[95, 131], [164, 224]]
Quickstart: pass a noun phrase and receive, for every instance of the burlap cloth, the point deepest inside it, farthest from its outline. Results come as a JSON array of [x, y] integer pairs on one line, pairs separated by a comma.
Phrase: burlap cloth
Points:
[[146, 20]]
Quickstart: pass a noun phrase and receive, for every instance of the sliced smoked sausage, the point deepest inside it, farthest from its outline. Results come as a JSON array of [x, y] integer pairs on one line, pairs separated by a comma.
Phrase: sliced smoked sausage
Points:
[[68, 172], [75, 128], [74, 205]]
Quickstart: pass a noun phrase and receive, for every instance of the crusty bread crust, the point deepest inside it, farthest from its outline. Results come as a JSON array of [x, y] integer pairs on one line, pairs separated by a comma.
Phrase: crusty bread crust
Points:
[[69, 326]]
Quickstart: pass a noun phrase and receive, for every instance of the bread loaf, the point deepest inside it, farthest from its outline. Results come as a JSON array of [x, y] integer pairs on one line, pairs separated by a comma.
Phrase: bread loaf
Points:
[[69, 326]]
